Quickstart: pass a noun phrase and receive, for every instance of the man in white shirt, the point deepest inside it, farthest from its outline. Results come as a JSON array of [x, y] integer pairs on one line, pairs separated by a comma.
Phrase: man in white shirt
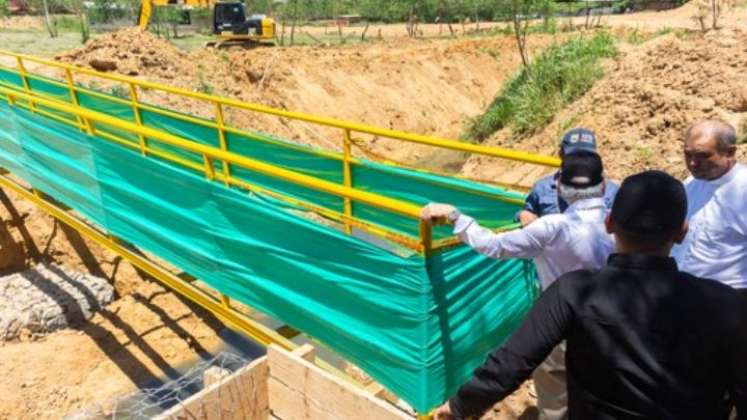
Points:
[[559, 243], [716, 244]]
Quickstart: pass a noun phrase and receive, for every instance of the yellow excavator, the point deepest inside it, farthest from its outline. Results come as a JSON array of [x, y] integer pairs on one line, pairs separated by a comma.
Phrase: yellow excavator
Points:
[[230, 23]]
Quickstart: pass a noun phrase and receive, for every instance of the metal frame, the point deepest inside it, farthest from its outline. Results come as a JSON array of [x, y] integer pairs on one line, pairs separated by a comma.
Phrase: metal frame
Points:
[[86, 120], [91, 123], [221, 306], [346, 218]]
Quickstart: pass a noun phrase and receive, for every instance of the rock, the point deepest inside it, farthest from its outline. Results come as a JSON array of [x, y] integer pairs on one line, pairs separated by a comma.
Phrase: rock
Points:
[[48, 298], [103, 65]]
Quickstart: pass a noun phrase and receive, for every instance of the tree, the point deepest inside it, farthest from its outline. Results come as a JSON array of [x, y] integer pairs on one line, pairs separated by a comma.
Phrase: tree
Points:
[[48, 21], [519, 13], [708, 12]]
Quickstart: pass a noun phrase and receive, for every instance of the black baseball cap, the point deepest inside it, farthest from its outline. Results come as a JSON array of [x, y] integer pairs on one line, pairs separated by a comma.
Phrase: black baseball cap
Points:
[[578, 140], [582, 170], [650, 203]]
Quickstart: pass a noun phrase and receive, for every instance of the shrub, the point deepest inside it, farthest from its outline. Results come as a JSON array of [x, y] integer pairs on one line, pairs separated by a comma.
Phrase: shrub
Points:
[[559, 75]]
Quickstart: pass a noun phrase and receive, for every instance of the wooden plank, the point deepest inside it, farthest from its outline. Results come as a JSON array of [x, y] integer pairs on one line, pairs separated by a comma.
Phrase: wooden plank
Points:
[[306, 352], [300, 390], [241, 395]]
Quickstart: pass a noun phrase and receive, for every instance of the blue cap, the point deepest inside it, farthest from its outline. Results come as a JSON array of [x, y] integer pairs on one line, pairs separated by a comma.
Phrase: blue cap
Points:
[[578, 140]]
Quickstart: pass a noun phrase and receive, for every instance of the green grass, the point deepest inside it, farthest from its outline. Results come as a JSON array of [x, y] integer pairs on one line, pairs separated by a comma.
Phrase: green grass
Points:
[[556, 77], [37, 41]]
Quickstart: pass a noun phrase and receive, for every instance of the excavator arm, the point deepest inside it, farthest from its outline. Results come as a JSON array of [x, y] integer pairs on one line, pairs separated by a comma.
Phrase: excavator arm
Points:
[[146, 10]]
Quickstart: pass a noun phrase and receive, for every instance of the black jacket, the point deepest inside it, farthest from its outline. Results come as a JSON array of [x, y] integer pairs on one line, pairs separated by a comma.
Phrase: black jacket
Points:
[[645, 341]]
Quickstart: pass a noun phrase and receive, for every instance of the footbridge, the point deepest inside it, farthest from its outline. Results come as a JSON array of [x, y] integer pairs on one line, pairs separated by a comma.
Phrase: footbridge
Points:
[[325, 241]]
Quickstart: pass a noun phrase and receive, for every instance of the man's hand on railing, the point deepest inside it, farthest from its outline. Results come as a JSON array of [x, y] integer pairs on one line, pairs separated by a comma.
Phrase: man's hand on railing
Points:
[[438, 213]]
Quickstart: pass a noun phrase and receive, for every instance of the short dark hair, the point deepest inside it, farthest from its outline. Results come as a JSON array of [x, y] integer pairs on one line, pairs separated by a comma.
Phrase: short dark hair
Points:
[[650, 207]]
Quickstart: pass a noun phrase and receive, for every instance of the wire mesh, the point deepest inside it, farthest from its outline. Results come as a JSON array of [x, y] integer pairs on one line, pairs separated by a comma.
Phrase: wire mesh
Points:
[[150, 402]]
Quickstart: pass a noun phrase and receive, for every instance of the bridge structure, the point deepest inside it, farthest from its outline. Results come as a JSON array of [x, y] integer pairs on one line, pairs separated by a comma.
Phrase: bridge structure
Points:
[[326, 242]]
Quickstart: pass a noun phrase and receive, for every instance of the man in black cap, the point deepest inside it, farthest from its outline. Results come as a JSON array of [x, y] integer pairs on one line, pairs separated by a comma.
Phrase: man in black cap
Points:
[[544, 199], [645, 341], [559, 243]]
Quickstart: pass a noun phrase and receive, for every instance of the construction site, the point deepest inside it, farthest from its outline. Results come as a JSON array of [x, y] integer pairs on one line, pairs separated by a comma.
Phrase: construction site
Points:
[[234, 232]]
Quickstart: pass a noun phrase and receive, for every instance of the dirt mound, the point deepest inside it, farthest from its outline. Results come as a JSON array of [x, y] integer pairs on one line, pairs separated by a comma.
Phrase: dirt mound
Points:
[[141, 336], [428, 87], [642, 107], [131, 52]]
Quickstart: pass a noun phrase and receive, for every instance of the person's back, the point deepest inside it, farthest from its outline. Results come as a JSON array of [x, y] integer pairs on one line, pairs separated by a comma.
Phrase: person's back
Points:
[[640, 348], [644, 341], [569, 241]]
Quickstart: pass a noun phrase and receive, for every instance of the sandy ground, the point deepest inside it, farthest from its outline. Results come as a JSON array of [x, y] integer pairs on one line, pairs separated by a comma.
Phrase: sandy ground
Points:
[[642, 107], [423, 86], [140, 336], [432, 86]]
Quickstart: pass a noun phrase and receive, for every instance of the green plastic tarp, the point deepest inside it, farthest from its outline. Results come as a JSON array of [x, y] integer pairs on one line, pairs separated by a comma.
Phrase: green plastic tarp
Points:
[[417, 325]]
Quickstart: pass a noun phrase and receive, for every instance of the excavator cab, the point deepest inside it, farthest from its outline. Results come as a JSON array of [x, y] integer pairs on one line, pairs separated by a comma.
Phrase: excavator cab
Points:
[[230, 22]]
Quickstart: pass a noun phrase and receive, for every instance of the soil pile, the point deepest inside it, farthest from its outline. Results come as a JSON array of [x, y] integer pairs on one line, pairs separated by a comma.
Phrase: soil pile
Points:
[[641, 109], [428, 87], [130, 52]]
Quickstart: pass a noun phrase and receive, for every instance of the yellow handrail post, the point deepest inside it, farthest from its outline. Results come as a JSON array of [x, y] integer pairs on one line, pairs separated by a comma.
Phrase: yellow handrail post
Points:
[[426, 237], [11, 99], [222, 138], [347, 179], [225, 301], [209, 169], [25, 80], [138, 117], [74, 98]]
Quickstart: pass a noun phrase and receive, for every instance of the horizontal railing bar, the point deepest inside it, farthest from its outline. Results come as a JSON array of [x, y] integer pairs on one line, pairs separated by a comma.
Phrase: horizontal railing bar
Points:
[[376, 200], [331, 122], [211, 124]]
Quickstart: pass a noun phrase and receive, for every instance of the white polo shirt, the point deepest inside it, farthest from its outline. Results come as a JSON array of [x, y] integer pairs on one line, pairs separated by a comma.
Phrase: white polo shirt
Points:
[[559, 243], [716, 244]]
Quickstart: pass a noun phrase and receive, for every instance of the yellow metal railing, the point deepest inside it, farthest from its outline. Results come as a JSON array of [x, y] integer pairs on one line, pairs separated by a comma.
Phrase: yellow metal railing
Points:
[[86, 120]]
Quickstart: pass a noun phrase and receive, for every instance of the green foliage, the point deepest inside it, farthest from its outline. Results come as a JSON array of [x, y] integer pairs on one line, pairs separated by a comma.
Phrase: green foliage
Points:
[[67, 23], [529, 100], [107, 11], [4, 8]]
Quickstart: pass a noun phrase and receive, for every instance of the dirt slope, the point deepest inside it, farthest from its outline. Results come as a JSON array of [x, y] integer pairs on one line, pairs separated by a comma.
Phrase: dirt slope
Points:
[[646, 101], [428, 87], [422, 86], [142, 335]]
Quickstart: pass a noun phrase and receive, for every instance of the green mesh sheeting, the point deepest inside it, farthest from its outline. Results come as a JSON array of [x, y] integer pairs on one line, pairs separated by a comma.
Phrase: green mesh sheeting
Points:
[[418, 326], [420, 188]]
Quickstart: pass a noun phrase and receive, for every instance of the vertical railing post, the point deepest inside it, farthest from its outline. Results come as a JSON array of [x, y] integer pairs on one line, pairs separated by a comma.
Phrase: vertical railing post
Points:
[[220, 122], [426, 238], [347, 179], [137, 116], [209, 169], [74, 98], [225, 301], [25, 80]]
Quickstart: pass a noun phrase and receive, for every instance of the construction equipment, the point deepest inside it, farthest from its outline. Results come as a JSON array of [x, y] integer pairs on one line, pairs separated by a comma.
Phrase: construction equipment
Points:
[[148, 6], [230, 23]]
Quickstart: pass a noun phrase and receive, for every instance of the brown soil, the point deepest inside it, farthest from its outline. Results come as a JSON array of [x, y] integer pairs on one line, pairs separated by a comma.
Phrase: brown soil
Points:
[[642, 107], [427, 87], [141, 336], [21, 22], [639, 110]]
